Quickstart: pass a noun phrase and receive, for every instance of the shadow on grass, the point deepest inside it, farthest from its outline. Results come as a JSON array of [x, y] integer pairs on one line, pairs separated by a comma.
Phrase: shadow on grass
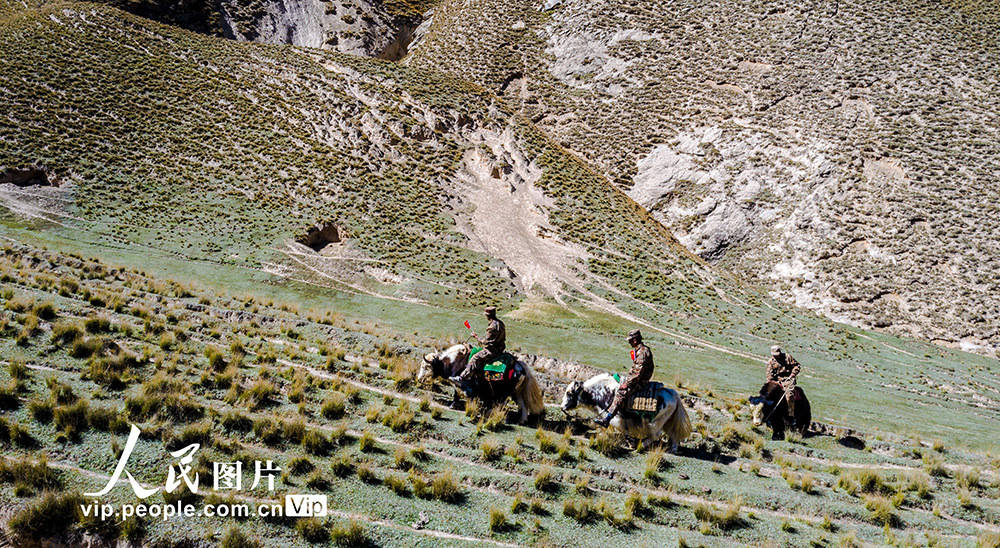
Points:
[[701, 453]]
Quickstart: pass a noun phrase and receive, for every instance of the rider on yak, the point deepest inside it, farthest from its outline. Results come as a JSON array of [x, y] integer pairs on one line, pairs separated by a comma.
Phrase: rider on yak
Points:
[[494, 344], [638, 376], [783, 369]]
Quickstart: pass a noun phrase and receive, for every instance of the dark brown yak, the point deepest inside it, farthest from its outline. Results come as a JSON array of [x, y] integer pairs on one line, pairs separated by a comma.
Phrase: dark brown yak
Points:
[[770, 407]]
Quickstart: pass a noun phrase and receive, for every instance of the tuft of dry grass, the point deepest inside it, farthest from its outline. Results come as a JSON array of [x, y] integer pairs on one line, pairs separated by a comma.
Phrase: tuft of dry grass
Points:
[[397, 484], [400, 419], [366, 474], [988, 540], [498, 520], [881, 510], [518, 505], [334, 406], [491, 448], [725, 518], [967, 478], [350, 535], [581, 510], [445, 487], [607, 441], [366, 442], [545, 479], [934, 466]]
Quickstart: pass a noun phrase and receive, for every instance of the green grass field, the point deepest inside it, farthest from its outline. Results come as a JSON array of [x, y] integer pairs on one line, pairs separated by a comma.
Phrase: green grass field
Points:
[[729, 484]]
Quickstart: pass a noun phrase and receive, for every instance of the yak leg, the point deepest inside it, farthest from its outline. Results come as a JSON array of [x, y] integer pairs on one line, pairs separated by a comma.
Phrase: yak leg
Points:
[[456, 403], [777, 428], [521, 407]]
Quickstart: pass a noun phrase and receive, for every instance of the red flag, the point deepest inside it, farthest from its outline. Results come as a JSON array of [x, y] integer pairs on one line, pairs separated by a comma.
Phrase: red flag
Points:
[[633, 355], [467, 326]]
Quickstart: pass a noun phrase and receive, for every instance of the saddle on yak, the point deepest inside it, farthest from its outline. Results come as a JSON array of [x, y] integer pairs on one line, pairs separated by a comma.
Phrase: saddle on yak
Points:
[[503, 369]]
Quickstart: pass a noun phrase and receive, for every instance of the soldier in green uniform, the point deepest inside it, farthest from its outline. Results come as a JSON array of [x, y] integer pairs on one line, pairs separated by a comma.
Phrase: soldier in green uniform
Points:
[[783, 369], [638, 376], [494, 344]]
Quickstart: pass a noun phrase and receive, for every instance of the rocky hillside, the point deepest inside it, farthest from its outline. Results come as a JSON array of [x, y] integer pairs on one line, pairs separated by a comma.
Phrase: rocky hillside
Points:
[[334, 169], [844, 153]]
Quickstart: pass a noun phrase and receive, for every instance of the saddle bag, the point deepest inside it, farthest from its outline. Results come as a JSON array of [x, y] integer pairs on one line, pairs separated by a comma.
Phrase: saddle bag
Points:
[[646, 401], [503, 369]]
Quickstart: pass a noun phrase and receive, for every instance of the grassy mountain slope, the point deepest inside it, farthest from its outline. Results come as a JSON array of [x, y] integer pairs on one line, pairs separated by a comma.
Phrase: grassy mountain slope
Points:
[[89, 348], [222, 151], [844, 153]]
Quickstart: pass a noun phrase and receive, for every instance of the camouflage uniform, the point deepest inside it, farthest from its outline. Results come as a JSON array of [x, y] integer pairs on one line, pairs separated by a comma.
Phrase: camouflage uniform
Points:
[[783, 370], [494, 345], [638, 376]]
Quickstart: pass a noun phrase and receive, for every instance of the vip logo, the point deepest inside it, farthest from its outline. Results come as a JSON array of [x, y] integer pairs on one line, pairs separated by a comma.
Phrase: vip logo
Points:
[[305, 506]]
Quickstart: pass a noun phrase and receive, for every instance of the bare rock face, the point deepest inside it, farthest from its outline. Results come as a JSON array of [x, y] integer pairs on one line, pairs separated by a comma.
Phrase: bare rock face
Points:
[[370, 28], [357, 28]]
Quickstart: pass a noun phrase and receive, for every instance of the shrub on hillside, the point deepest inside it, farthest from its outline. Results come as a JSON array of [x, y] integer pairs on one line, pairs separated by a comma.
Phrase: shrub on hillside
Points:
[[50, 515], [350, 535], [881, 511], [545, 479], [333, 407], [97, 324], [607, 441], [445, 487], [300, 465], [316, 443], [164, 397], [397, 484], [107, 419], [72, 419], [865, 481], [235, 421], [342, 465], [498, 520], [366, 474], [317, 481], [581, 510], [234, 538], [312, 530], [400, 419], [9, 399], [260, 393], [41, 410], [133, 530], [726, 518], [37, 475], [18, 370]]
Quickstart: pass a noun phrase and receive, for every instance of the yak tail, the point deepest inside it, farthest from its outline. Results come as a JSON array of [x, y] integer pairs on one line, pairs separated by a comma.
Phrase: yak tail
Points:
[[678, 427], [531, 392]]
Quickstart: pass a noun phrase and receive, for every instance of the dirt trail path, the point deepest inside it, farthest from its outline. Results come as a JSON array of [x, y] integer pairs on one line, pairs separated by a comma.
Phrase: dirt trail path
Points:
[[883, 465]]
